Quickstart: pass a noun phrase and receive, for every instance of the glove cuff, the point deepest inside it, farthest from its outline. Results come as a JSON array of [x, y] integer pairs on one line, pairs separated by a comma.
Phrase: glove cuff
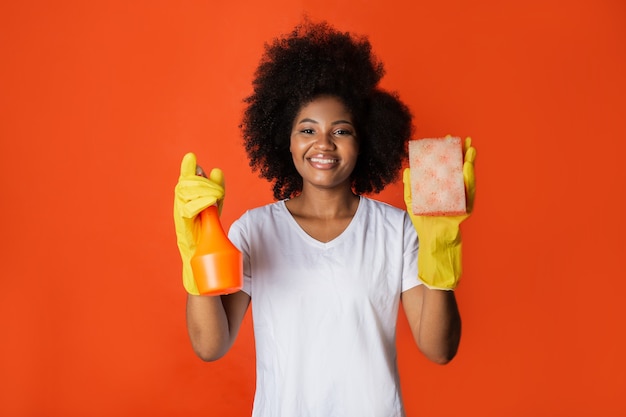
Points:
[[440, 266]]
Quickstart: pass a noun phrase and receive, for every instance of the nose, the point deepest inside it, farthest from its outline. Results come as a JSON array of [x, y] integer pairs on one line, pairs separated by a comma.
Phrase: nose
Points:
[[325, 142]]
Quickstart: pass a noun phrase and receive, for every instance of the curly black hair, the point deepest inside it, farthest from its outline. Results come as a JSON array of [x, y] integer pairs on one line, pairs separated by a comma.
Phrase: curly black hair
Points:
[[314, 60]]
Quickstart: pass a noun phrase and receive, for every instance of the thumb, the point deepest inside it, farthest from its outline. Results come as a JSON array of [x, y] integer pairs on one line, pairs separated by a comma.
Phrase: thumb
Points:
[[469, 152], [469, 177], [188, 165]]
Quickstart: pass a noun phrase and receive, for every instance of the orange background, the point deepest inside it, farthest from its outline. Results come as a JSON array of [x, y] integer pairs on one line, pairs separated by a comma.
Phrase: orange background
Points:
[[99, 101]]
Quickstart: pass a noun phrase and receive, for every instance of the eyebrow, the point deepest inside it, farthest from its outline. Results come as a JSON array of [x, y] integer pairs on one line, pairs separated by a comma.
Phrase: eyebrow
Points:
[[336, 122]]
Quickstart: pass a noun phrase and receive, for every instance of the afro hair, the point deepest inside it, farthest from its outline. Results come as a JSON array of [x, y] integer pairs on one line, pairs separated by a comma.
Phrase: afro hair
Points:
[[314, 60]]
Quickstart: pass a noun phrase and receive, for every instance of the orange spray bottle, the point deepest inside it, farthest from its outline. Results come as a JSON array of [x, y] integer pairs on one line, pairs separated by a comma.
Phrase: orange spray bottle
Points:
[[217, 264]]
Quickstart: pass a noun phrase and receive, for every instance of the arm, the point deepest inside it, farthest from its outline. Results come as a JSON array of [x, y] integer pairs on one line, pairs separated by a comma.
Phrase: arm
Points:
[[213, 322], [435, 322], [431, 309]]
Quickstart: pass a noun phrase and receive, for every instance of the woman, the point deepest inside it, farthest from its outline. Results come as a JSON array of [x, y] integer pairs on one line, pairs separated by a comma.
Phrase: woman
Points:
[[326, 268]]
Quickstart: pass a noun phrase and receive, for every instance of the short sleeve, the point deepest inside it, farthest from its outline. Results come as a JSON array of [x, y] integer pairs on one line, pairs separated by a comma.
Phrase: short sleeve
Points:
[[410, 245], [238, 236]]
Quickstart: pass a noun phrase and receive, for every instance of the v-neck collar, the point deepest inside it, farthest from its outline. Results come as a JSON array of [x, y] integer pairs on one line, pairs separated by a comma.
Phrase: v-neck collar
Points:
[[310, 239]]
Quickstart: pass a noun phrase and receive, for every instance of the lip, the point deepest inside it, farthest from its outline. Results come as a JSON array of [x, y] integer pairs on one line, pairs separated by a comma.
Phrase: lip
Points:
[[323, 161]]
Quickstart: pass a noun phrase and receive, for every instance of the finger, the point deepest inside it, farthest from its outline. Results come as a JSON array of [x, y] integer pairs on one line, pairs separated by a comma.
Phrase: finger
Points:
[[194, 187], [467, 144], [469, 152], [196, 194], [470, 155], [470, 185], [217, 176], [188, 165], [192, 208]]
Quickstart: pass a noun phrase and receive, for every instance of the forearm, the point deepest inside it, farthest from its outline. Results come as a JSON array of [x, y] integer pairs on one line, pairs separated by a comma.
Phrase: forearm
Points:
[[439, 330], [207, 325]]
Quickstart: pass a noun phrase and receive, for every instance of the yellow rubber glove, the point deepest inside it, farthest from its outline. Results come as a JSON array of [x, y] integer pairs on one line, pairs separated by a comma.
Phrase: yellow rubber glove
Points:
[[192, 194], [439, 256]]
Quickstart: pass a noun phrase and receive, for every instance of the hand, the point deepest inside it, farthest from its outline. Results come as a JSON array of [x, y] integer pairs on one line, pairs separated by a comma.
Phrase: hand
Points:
[[439, 255], [192, 194]]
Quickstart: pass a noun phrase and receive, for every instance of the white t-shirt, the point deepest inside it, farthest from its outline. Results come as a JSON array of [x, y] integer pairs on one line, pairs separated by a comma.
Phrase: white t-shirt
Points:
[[324, 314]]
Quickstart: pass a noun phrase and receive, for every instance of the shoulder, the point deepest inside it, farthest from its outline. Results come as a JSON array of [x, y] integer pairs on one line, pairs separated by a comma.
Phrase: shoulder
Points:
[[260, 226], [259, 215], [263, 211], [392, 218], [377, 207]]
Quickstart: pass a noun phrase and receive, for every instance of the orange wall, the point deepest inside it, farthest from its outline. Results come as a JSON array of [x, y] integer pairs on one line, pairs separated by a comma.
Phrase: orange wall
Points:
[[99, 101]]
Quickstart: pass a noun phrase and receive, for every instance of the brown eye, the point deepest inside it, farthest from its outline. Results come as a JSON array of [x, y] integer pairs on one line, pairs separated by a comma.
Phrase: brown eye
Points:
[[342, 132]]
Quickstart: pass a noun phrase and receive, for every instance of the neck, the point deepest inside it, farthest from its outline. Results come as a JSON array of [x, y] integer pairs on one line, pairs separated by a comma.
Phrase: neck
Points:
[[324, 204]]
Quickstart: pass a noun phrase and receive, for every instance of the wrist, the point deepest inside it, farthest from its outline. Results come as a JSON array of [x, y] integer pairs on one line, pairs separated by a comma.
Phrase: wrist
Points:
[[440, 264]]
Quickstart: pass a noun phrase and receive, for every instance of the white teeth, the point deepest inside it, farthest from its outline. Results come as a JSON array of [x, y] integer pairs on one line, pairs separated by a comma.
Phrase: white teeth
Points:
[[323, 161]]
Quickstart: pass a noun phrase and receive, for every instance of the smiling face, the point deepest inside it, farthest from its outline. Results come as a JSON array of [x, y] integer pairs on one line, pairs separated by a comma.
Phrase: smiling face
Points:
[[323, 144]]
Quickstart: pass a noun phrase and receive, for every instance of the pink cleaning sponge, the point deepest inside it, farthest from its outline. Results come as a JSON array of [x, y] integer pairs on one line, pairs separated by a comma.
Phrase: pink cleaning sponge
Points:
[[437, 186]]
